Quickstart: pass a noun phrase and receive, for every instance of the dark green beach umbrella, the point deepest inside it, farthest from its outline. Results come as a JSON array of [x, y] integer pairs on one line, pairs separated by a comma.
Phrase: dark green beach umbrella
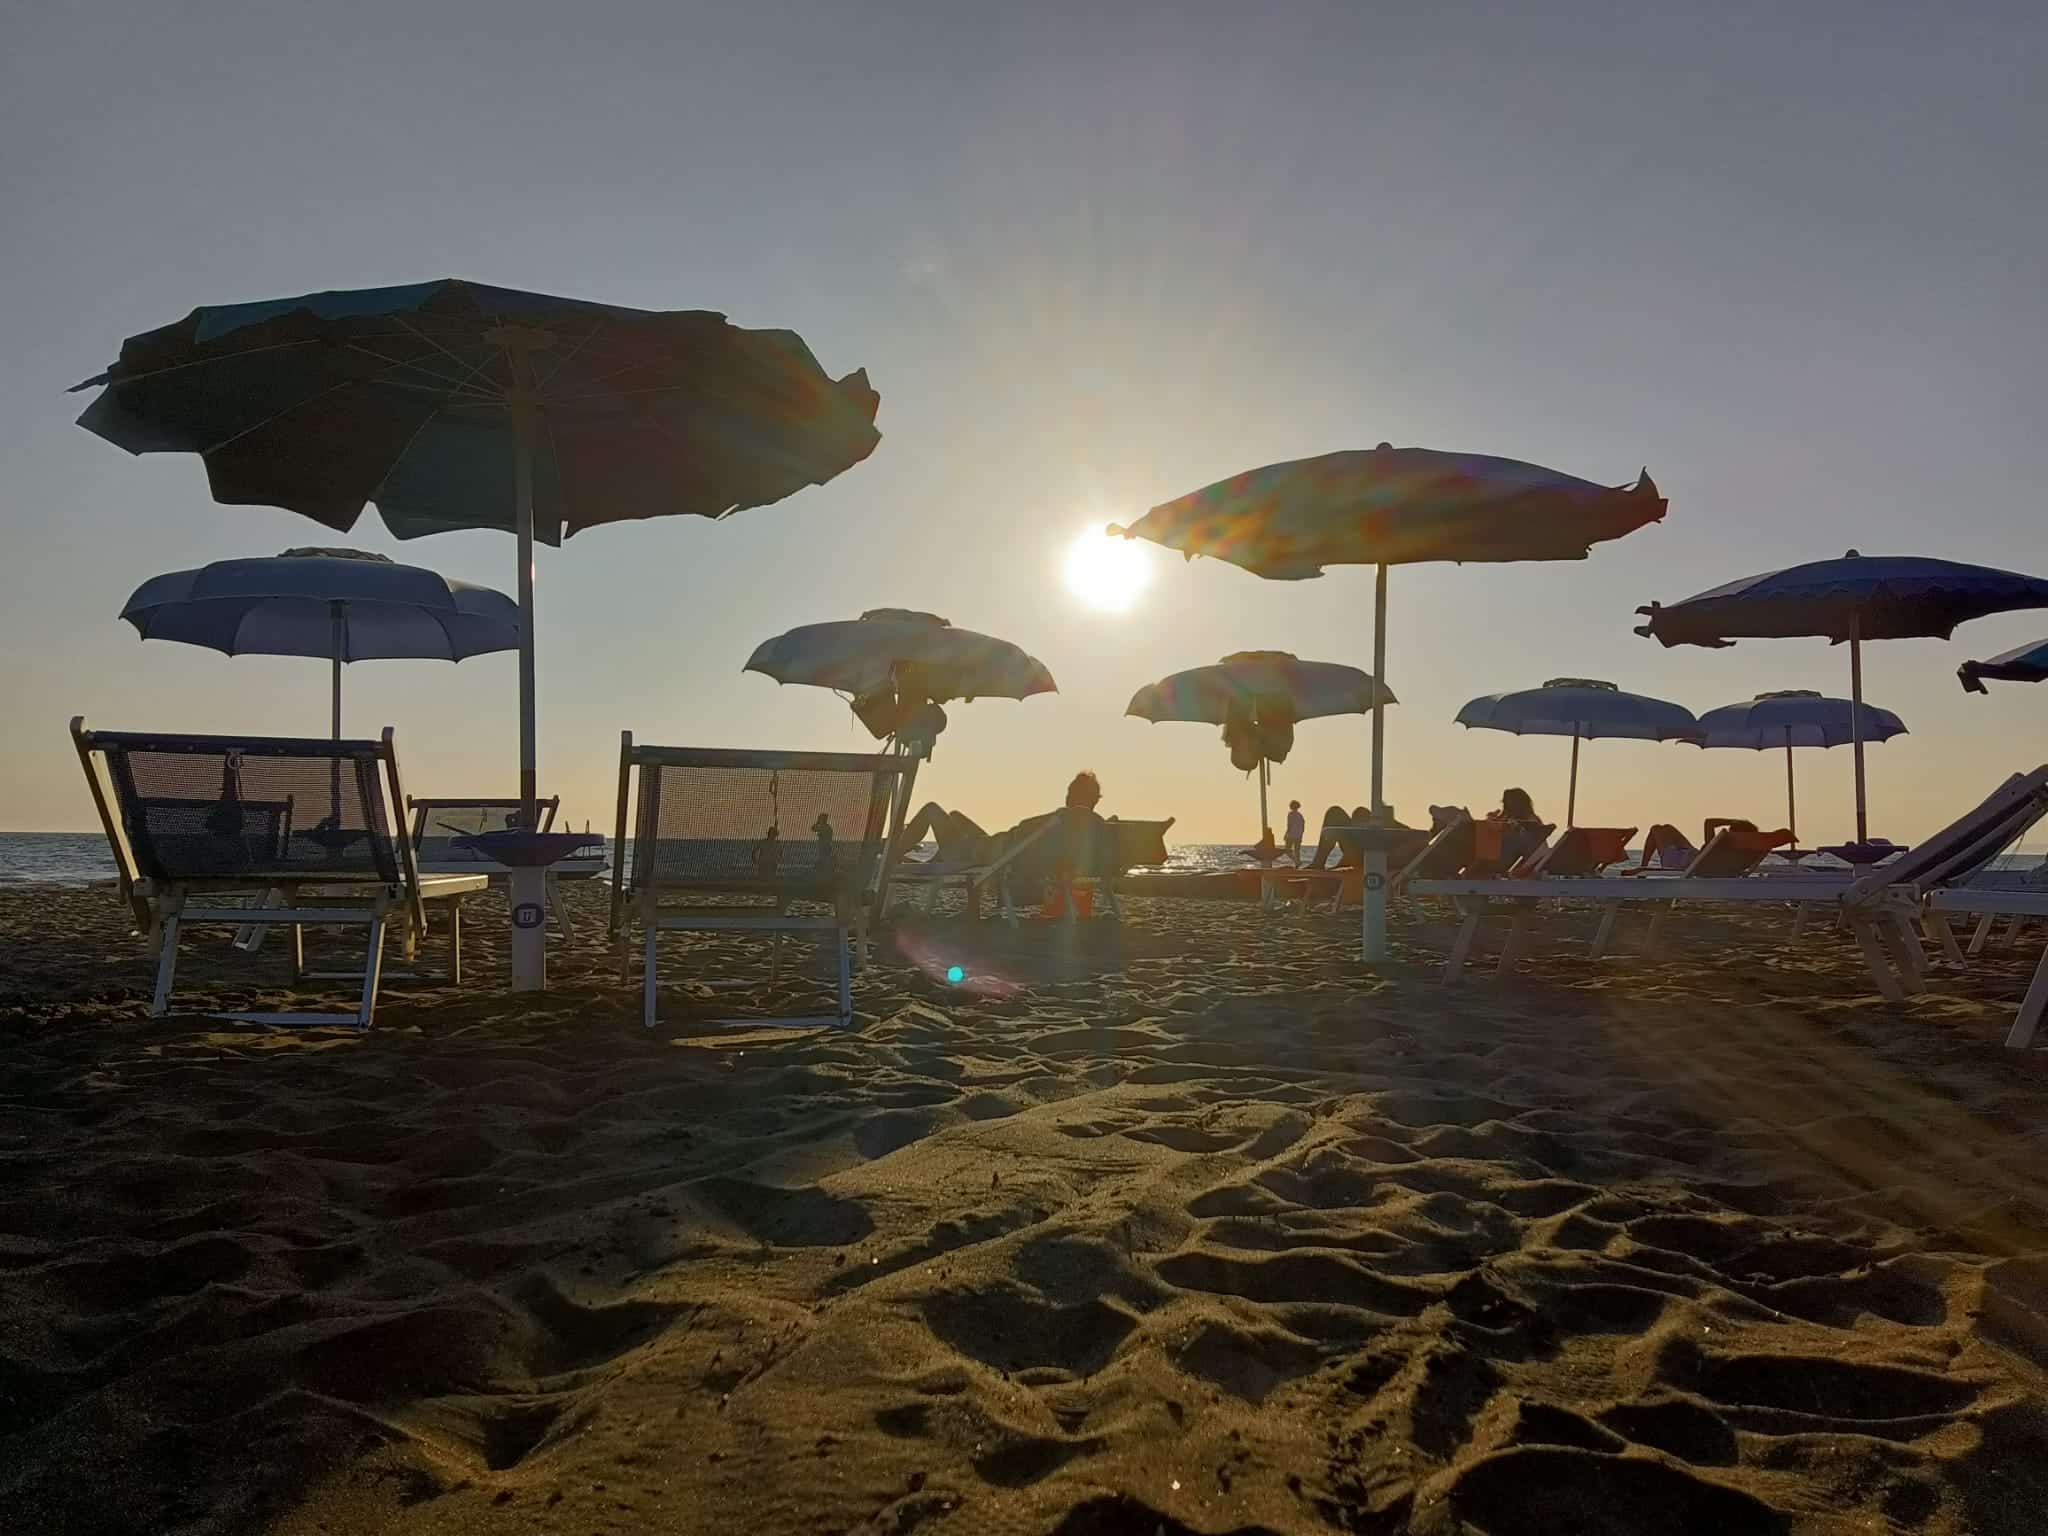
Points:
[[455, 405]]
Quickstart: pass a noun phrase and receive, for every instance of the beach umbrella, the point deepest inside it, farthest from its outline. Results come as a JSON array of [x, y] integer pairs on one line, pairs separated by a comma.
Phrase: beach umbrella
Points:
[[893, 663], [343, 604], [1584, 710], [1853, 599], [2024, 664], [454, 405], [1394, 506], [900, 649], [1796, 717], [1257, 697]]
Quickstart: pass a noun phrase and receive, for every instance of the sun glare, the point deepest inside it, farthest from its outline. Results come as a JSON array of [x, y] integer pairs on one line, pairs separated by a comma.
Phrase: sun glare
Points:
[[1105, 572]]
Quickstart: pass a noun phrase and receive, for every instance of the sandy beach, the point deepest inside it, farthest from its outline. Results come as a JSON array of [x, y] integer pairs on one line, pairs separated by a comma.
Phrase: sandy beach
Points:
[[1179, 1226]]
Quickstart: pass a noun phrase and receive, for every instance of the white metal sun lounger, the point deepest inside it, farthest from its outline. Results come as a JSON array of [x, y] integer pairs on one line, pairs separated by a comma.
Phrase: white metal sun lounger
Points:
[[306, 820], [765, 832], [1880, 908]]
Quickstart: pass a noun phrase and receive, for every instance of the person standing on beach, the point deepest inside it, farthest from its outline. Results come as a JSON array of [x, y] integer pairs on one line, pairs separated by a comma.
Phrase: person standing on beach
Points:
[[1297, 828]]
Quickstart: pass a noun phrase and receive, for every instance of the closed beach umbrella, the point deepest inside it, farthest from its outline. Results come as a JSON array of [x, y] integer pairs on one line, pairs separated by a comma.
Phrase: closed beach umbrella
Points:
[[1584, 710], [2024, 664], [343, 604], [1796, 717], [1257, 697], [453, 405], [1853, 599], [1394, 506]]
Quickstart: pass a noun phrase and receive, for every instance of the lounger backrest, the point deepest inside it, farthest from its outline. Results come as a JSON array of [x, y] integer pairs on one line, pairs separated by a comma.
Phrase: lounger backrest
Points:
[[1448, 850], [714, 820], [231, 810], [1582, 851], [1962, 848], [437, 825], [1140, 842], [1733, 852], [1490, 854]]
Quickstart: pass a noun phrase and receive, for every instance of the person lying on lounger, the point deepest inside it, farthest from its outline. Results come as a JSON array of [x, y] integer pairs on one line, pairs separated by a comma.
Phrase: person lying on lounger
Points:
[[1665, 847], [1337, 822]]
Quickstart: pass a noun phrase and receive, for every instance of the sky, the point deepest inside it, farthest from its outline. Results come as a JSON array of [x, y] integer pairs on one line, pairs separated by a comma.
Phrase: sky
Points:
[[1092, 257]]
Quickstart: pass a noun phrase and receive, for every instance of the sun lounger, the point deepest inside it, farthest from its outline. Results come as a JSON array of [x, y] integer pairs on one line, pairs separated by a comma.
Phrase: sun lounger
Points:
[[441, 828], [974, 877], [1880, 907], [304, 825], [786, 842]]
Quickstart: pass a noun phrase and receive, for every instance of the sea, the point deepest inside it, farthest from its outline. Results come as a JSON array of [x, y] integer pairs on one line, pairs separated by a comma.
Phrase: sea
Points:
[[80, 858]]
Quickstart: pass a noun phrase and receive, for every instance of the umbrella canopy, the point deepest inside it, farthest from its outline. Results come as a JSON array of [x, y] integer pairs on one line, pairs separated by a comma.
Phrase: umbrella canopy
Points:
[[1245, 681], [1853, 599], [454, 405], [1394, 506], [2023, 664], [1796, 717], [865, 655], [1257, 696], [1584, 710], [1858, 597], [344, 604]]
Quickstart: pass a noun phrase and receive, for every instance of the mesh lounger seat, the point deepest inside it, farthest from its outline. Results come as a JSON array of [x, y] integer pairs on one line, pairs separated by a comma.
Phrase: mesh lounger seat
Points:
[[766, 832], [440, 825], [304, 825]]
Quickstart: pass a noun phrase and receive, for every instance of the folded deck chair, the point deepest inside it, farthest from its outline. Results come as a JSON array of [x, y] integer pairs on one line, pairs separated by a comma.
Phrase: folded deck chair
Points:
[[442, 827], [786, 842], [305, 825]]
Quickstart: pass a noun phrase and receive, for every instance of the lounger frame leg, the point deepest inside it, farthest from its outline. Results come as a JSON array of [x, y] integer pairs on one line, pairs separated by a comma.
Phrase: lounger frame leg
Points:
[[373, 969], [2031, 1008], [1461, 947], [2012, 932], [1981, 933], [166, 966], [298, 953], [1904, 943], [455, 941], [845, 977], [1865, 932], [1604, 934], [1511, 946], [1801, 911], [647, 993], [1936, 926]]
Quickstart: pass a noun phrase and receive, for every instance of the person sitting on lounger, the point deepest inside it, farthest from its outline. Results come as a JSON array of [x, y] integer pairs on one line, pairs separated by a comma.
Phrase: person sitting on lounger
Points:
[[961, 839], [1266, 851], [1526, 829]]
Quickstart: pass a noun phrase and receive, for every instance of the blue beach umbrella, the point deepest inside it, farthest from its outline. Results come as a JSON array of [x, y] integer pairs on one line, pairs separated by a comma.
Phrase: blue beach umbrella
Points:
[[2024, 664], [1796, 717], [452, 405], [1394, 506], [1584, 710], [344, 604], [1853, 599]]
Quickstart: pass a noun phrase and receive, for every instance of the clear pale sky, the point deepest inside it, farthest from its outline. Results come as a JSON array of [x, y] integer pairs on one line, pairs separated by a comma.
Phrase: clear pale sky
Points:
[[1092, 257]]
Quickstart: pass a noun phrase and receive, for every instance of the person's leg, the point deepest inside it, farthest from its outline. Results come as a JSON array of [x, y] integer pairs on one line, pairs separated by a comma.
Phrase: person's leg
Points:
[[1326, 838], [929, 818]]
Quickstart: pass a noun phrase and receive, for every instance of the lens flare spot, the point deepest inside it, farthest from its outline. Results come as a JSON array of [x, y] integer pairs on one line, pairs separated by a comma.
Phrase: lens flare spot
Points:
[[955, 974], [1106, 573]]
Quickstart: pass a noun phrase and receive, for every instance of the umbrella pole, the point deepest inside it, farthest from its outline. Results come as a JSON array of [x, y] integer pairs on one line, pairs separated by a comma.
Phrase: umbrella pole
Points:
[[1856, 722], [340, 643], [1791, 798], [524, 428], [1265, 778], [1373, 895], [1571, 797]]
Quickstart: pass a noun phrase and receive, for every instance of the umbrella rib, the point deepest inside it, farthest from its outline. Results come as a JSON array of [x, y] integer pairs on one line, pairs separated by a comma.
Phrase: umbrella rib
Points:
[[564, 358], [461, 385], [196, 362]]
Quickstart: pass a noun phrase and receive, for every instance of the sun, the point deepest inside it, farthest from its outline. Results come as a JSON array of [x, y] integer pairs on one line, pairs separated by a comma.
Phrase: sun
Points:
[[1106, 572]]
